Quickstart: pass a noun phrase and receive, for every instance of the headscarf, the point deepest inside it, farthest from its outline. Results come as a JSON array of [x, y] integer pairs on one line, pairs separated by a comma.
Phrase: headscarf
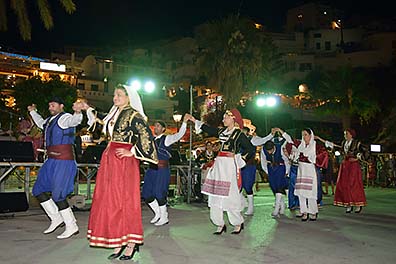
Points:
[[134, 102], [351, 131], [236, 115], [310, 150]]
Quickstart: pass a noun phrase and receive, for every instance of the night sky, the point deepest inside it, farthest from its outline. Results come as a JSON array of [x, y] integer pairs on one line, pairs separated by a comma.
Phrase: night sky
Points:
[[105, 22]]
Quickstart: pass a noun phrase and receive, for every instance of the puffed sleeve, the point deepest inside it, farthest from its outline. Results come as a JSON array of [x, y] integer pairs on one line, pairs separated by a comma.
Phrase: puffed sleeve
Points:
[[248, 150], [144, 147]]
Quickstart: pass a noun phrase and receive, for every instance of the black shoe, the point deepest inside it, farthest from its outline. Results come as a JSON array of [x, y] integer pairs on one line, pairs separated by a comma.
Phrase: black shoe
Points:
[[304, 217], [313, 217], [349, 209], [116, 255], [223, 229], [235, 232], [360, 208], [125, 257]]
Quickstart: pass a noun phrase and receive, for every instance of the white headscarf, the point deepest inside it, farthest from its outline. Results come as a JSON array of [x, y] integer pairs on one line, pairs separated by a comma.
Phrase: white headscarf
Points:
[[134, 100], [309, 150], [135, 103]]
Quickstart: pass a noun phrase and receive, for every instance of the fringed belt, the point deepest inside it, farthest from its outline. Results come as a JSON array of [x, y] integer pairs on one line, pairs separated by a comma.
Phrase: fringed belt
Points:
[[226, 154], [61, 152], [275, 164], [161, 164], [251, 161]]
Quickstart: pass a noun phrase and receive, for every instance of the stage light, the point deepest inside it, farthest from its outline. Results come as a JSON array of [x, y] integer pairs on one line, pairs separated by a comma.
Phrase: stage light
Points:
[[149, 86], [135, 84]]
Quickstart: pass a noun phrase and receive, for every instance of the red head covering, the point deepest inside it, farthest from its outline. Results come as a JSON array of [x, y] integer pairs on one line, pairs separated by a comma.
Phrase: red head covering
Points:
[[24, 124], [237, 117], [351, 131]]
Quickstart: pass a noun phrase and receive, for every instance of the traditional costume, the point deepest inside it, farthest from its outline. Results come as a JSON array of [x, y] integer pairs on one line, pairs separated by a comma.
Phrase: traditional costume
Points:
[[223, 181], [59, 169], [349, 188], [115, 219], [157, 177], [248, 179]]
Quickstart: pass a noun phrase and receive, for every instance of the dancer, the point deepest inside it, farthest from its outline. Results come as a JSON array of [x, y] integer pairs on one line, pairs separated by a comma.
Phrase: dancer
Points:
[[205, 160], [275, 163], [60, 168], [249, 177], [349, 190], [157, 177], [115, 220], [306, 187], [223, 181]]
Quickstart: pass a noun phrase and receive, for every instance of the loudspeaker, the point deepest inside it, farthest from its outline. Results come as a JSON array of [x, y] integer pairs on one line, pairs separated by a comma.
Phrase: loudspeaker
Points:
[[13, 202], [175, 159], [93, 154], [16, 151]]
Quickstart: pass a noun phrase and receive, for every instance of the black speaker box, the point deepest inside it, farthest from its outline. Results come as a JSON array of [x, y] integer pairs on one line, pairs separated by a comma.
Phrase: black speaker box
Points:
[[13, 202], [16, 151], [93, 154]]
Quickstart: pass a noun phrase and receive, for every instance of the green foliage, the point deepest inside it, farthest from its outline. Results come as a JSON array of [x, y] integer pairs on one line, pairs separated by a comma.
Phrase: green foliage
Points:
[[234, 56], [346, 91], [35, 91], [21, 11]]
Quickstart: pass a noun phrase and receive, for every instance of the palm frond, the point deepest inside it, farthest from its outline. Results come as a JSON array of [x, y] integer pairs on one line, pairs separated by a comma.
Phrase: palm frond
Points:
[[3, 15], [45, 13], [25, 28], [68, 5]]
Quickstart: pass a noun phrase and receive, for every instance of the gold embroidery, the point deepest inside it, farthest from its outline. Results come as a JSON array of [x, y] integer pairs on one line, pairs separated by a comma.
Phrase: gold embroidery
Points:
[[122, 130], [144, 137]]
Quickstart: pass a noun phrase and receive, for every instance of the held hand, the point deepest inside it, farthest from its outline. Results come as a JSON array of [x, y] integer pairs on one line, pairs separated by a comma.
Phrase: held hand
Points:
[[186, 118], [78, 106], [31, 107], [123, 153], [189, 117], [84, 105]]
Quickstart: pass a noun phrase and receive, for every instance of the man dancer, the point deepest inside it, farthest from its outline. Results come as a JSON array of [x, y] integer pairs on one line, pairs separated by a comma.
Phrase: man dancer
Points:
[[58, 171], [157, 177], [249, 176], [275, 163]]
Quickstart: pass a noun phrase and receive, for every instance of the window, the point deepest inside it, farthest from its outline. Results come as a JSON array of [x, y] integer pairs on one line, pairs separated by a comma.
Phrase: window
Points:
[[94, 87], [81, 86], [107, 65], [318, 45], [317, 35], [327, 45], [393, 44], [305, 67], [290, 66]]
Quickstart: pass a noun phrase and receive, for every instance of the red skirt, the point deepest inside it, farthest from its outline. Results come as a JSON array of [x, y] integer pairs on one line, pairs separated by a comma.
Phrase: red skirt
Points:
[[349, 188], [116, 216]]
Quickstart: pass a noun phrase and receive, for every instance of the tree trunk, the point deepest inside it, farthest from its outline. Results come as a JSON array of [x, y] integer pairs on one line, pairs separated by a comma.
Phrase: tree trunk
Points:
[[346, 121]]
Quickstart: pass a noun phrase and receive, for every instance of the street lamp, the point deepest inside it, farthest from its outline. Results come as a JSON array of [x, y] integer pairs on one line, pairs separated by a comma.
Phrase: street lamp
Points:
[[267, 101], [148, 85], [177, 118]]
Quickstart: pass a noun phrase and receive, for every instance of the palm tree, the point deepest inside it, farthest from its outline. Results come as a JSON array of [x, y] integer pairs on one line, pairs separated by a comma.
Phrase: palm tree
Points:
[[345, 93], [234, 56], [21, 11]]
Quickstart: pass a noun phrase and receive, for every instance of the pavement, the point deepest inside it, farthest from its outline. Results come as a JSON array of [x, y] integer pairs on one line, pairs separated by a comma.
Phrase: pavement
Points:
[[335, 237]]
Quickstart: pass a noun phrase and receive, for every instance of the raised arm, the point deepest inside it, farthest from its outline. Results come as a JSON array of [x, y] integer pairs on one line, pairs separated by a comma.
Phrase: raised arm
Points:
[[170, 139], [201, 126], [327, 143], [37, 119]]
